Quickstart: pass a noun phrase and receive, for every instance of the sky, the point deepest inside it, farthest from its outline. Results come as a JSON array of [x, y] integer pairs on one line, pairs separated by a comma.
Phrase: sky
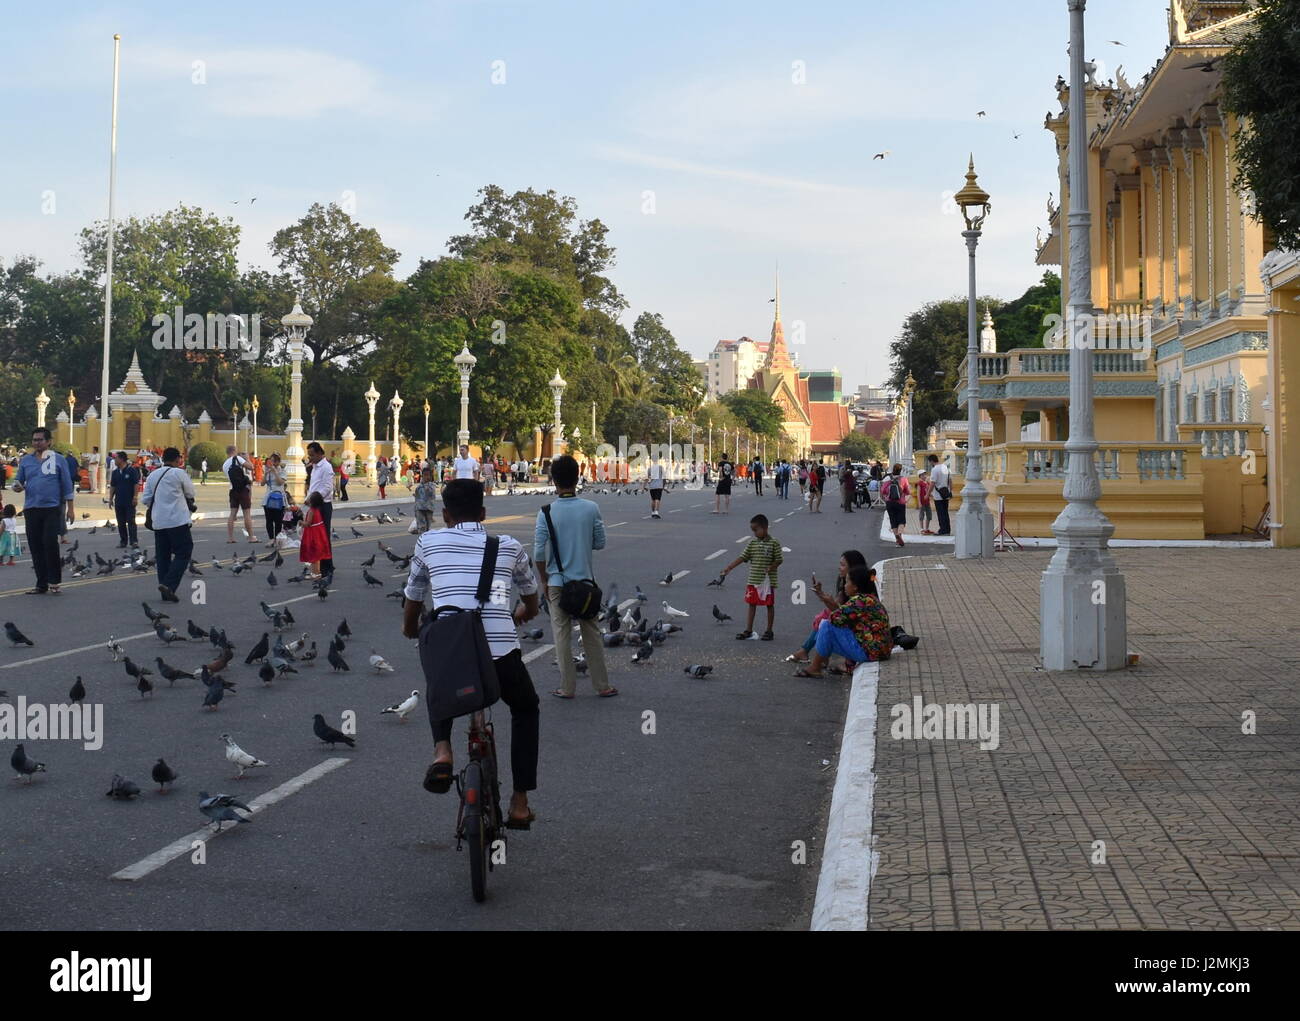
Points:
[[716, 139]]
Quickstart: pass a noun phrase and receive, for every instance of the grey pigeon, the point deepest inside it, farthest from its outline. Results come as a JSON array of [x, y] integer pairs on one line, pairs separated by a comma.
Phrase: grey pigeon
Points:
[[328, 734], [266, 673], [216, 691], [282, 666], [359, 535], [611, 639], [641, 597], [163, 774], [268, 611], [308, 656], [643, 653], [369, 561], [166, 634], [169, 672], [369, 578], [719, 616], [534, 634], [195, 632], [133, 670], [144, 686], [271, 579], [77, 691], [122, 789], [16, 636], [220, 808], [337, 661], [667, 579], [699, 670], [154, 615], [24, 766]]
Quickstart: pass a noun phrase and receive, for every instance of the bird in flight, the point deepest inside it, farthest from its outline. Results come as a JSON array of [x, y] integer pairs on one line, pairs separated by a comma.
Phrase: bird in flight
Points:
[[882, 155], [982, 113], [1114, 42], [1205, 65]]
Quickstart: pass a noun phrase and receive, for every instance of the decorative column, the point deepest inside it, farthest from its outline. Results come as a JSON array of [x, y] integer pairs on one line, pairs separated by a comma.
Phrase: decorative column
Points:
[[372, 396], [349, 445], [72, 405], [907, 455], [1082, 595], [396, 404], [974, 531], [465, 363], [256, 404], [557, 386], [297, 323], [428, 456], [42, 402]]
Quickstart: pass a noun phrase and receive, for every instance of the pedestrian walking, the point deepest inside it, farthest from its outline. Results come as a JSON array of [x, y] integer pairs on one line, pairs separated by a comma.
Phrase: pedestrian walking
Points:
[[315, 546], [488, 471], [803, 480], [74, 470], [382, 477], [655, 480], [123, 486], [858, 629], [726, 470], [426, 496], [816, 487], [941, 481], [757, 470], [203, 471], [923, 497], [467, 467], [238, 472], [43, 475], [345, 473], [445, 568], [10, 547], [169, 495], [848, 487], [568, 531], [321, 481], [763, 555], [275, 501], [896, 491]]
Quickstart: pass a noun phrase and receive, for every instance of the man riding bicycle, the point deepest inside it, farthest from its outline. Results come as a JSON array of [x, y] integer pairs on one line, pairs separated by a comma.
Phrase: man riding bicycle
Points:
[[445, 567]]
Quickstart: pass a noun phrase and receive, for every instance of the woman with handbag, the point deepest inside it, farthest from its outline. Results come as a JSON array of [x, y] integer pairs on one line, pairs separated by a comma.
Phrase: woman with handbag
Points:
[[169, 502], [274, 503]]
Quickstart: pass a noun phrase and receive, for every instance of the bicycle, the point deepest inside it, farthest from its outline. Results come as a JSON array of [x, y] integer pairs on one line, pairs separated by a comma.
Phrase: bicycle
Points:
[[479, 823]]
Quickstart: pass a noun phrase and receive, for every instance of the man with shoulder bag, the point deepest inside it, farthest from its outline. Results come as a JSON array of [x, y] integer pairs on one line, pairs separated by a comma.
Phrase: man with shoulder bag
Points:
[[169, 499], [469, 647], [567, 532], [941, 484]]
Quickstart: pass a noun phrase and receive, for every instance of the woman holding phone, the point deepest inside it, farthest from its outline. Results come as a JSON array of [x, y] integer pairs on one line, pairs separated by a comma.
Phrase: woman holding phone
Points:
[[848, 559]]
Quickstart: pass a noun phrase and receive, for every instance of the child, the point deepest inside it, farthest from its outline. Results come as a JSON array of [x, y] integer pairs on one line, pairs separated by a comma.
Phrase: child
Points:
[[9, 545], [763, 554], [858, 630], [923, 501], [425, 496], [315, 536]]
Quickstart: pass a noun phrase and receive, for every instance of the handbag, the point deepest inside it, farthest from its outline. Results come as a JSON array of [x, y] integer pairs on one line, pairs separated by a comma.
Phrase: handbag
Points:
[[580, 597], [148, 511], [455, 655], [274, 500]]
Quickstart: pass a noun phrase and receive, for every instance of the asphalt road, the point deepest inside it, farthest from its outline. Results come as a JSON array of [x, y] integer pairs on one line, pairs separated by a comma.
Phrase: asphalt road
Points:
[[690, 827]]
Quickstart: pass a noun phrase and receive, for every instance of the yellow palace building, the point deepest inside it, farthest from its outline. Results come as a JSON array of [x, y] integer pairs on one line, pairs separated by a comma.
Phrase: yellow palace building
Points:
[[1198, 321]]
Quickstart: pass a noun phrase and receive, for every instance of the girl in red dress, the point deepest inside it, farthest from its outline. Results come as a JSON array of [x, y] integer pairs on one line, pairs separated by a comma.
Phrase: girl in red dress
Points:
[[315, 536]]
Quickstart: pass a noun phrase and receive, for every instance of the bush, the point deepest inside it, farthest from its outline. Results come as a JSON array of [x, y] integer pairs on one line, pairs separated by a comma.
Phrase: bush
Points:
[[66, 448], [213, 452]]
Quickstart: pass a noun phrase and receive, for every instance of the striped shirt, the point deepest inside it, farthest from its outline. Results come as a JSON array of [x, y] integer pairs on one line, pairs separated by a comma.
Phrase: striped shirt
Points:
[[763, 557], [446, 565]]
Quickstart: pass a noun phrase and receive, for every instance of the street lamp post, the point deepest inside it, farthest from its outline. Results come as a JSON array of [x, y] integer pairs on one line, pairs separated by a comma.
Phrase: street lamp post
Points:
[[465, 363], [42, 402], [396, 404], [557, 386], [908, 453], [426, 430], [234, 426], [1082, 596], [974, 535], [371, 395], [256, 404], [297, 323], [313, 423]]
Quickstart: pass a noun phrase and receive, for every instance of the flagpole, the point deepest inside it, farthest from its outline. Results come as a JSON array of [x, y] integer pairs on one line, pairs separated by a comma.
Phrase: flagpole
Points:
[[108, 278]]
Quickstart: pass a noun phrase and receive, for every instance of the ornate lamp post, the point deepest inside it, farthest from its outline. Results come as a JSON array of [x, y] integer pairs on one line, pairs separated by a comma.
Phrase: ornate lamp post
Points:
[[974, 535], [72, 404], [256, 404], [465, 363], [427, 455], [42, 402], [1082, 596], [396, 404], [557, 386], [234, 425], [908, 453], [372, 396], [313, 422], [297, 323]]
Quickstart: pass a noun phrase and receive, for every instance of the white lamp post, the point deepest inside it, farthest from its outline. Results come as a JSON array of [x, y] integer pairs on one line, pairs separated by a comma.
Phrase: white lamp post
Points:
[[465, 363], [557, 385], [256, 404], [42, 402], [234, 426], [297, 323], [427, 456], [1082, 596], [372, 396], [974, 533], [396, 404]]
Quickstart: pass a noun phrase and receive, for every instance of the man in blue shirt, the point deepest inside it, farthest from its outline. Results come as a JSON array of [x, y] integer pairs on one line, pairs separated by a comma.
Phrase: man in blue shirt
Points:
[[44, 477], [124, 483], [578, 531]]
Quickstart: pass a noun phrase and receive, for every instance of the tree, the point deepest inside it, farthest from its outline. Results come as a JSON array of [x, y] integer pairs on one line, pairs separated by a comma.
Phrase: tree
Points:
[[861, 447], [677, 382], [19, 385], [640, 421], [1259, 86], [755, 411], [343, 272], [1022, 323]]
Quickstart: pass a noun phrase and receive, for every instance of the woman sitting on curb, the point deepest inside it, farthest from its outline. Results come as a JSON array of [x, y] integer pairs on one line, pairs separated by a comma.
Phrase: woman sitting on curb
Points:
[[858, 630], [848, 559]]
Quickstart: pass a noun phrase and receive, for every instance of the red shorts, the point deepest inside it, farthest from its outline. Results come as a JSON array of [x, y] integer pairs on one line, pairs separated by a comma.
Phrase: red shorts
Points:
[[754, 598]]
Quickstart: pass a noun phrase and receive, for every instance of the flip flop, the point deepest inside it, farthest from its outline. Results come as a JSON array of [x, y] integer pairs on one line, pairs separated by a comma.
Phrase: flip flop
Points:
[[608, 693], [526, 823], [437, 779], [560, 694], [806, 673]]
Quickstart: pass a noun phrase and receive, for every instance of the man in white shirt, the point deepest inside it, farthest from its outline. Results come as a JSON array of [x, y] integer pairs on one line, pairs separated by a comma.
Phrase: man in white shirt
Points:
[[468, 467], [655, 480], [241, 492], [940, 483], [168, 493], [322, 481]]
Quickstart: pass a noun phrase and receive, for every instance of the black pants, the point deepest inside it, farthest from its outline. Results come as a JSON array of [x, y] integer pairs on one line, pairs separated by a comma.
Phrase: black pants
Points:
[[941, 509], [126, 529], [518, 693], [758, 484], [172, 547], [274, 521], [43, 543], [343, 488], [326, 513]]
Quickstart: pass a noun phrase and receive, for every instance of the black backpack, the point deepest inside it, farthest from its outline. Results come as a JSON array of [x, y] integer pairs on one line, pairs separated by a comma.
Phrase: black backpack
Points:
[[455, 654], [238, 478], [894, 494]]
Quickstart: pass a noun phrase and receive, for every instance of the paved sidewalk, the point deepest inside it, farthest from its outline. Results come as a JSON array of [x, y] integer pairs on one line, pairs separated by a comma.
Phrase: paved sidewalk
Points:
[[1201, 822]]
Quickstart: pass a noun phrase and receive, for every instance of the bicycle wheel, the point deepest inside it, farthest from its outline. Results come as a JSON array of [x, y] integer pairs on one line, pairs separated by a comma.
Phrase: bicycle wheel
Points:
[[475, 831]]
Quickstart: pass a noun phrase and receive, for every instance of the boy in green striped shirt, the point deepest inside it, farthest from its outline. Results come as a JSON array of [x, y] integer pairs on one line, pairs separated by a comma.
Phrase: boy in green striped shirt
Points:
[[763, 554]]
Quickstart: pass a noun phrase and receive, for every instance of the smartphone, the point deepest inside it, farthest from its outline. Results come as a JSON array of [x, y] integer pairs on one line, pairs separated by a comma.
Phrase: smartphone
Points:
[[815, 581]]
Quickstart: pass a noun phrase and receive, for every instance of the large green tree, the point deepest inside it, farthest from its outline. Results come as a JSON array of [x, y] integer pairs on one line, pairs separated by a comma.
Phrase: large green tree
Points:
[[677, 384], [755, 411]]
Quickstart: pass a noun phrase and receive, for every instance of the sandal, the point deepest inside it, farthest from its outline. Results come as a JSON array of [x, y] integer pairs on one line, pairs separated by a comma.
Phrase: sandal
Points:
[[744, 635], [794, 658], [807, 673], [608, 692], [768, 636], [560, 694], [437, 779], [521, 822]]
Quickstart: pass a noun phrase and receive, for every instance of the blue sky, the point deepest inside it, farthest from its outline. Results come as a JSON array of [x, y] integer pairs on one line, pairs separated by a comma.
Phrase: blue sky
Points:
[[694, 102]]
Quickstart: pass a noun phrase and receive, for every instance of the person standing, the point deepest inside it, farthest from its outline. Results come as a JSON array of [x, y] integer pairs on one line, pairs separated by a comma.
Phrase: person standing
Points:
[[489, 473], [723, 491], [572, 528], [941, 481], [93, 467], [803, 480], [345, 473], [169, 494], [44, 476], [426, 494], [763, 554], [468, 467], [758, 477], [274, 503], [382, 477], [923, 489], [10, 547], [74, 470], [315, 547], [123, 485], [203, 472], [237, 471], [848, 487], [322, 481], [816, 486], [896, 491], [655, 479]]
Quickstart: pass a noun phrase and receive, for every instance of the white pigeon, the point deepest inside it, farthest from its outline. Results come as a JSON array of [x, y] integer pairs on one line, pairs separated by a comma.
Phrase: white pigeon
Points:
[[298, 644], [115, 649], [239, 757], [673, 611], [380, 664], [403, 707]]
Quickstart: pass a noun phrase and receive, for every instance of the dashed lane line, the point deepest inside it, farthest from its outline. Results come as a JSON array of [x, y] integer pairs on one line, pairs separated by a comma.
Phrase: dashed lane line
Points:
[[714, 556]]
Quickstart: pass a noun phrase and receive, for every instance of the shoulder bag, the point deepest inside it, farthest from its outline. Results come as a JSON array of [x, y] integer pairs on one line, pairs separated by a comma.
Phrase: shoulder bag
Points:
[[455, 655], [581, 597], [148, 511]]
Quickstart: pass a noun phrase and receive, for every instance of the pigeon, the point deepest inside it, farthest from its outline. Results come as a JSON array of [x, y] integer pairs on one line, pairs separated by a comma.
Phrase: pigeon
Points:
[[217, 564], [195, 632], [699, 670], [328, 734], [166, 634], [77, 692], [719, 616], [612, 639], [216, 691], [163, 774], [271, 579], [282, 666], [381, 665], [279, 559], [296, 579], [403, 707], [16, 636], [612, 596], [221, 662], [238, 757], [380, 544], [323, 593], [534, 634], [369, 578], [369, 561], [343, 628], [580, 663], [238, 569], [221, 808], [288, 617], [169, 672], [673, 611], [641, 597], [643, 653], [134, 671], [154, 615], [717, 582], [882, 155], [122, 789], [259, 650], [359, 535], [280, 650], [337, 661], [144, 685], [22, 765], [666, 580], [266, 673], [269, 557]]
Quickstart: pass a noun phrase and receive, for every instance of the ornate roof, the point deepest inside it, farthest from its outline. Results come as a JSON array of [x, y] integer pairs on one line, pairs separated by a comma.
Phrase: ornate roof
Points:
[[134, 393]]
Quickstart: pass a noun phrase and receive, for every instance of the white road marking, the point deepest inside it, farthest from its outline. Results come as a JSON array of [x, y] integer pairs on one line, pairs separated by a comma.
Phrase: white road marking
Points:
[[743, 538], [539, 651], [616, 524], [678, 574], [184, 845], [677, 510], [785, 549], [714, 556]]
